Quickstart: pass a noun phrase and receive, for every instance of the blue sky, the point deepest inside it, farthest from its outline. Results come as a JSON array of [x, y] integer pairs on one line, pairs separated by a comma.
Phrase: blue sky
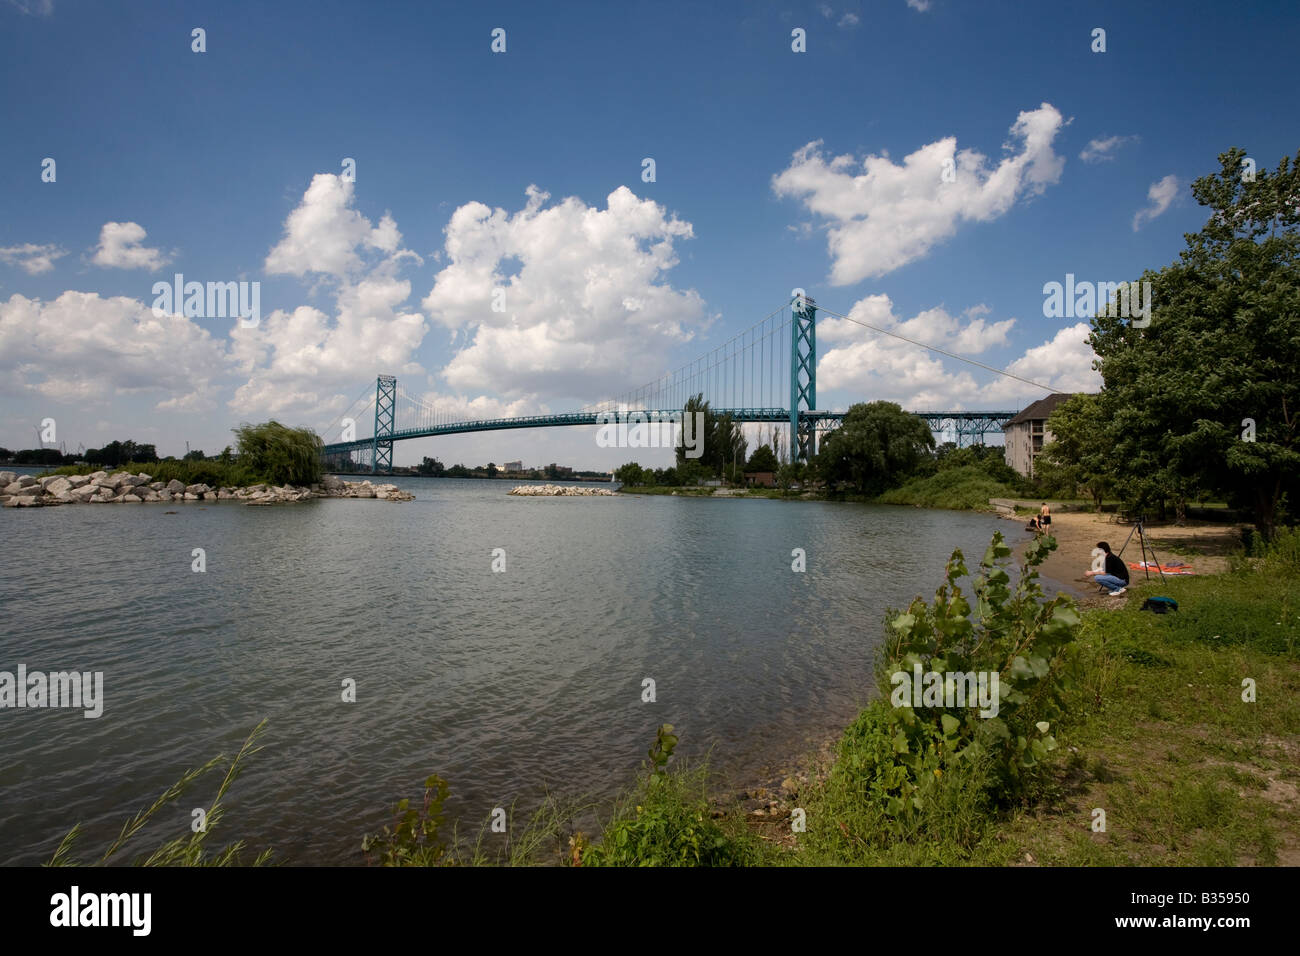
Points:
[[226, 166]]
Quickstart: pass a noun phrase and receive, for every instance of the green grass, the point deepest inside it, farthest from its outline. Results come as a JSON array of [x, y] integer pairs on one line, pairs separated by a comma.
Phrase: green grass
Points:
[[961, 489], [1157, 735]]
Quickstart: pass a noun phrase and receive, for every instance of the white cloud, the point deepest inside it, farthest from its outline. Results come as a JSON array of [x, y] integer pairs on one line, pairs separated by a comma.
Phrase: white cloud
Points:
[[848, 20], [119, 248], [921, 5], [586, 310], [1101, 150], [85, 349], [296, 362], [33, 259], [892, 214], [1161, 194], [862, 362], [35, 8], [1064, 362], [324, 233]]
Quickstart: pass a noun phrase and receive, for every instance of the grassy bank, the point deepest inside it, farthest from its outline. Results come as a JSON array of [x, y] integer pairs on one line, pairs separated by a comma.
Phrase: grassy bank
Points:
[[961, 489], [967, 488]]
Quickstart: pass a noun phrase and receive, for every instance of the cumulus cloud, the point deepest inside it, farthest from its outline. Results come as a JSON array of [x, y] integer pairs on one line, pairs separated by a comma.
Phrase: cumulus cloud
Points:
[[891, 214], [31, 258], [921, 5], [303, 361], [862, 362], [326, 234], [1101, 150], [83, 348], [582, 307], [1160, 195], [119, 248]]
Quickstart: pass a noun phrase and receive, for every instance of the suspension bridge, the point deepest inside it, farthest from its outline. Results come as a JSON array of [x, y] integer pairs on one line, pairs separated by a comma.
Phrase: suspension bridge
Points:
[[768, 373]]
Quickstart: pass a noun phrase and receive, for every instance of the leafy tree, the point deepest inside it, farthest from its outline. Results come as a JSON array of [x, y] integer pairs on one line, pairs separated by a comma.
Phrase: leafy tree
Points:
[[763, 459], [1205, 398], [5, 454], [195, 455], [50, 457], [1079, 455], [430, 466], [790, 473], [120, 452], [724, 445], [491, 469], [630, 474], [877, 446], [279, 454]]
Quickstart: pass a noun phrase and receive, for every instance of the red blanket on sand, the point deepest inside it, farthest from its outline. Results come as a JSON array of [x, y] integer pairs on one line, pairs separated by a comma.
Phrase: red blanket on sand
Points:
[[1166, 568]]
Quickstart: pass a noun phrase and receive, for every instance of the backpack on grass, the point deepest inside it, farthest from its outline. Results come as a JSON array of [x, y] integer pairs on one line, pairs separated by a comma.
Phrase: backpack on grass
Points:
[[1160, 605]]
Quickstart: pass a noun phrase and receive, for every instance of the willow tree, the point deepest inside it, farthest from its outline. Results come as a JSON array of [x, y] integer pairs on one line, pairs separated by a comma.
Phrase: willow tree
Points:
[[279, 454]]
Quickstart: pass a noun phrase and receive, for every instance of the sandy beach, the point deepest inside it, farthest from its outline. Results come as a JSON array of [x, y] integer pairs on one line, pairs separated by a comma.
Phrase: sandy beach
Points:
[[1203, 545]]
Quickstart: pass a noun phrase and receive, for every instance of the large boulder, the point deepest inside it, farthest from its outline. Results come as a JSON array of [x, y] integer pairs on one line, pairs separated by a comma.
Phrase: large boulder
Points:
[[134, 481], [12, 488], [77, 481], [191, 496], [332, 484], [59, 486], [198, 489], [25, 481], [84, 493], [176, 487], [8, 478]]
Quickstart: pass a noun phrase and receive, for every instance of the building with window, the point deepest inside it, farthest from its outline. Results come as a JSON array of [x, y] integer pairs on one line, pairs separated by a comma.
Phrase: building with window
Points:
[[1027, 433]]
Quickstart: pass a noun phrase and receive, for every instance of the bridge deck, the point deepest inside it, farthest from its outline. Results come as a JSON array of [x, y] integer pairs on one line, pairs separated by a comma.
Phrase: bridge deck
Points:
[[633, 417]]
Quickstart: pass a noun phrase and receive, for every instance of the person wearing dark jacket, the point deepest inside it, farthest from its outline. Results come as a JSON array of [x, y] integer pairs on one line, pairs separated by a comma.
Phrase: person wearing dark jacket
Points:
[[1114, 576]]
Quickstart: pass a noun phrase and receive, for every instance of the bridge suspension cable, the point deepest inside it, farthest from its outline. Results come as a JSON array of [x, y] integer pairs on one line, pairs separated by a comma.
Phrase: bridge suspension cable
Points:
[[934, 348]]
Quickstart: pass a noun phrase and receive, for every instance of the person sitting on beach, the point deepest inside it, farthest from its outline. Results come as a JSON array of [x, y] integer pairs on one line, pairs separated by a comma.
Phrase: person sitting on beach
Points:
[[1033, 524], [1114, 576]]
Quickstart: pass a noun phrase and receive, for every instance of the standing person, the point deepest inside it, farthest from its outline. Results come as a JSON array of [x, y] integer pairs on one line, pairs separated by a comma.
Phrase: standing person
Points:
[[1045, 517], [1114, 576]]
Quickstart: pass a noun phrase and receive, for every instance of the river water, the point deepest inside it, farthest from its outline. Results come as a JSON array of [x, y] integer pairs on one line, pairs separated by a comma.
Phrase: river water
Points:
[[503, 682]]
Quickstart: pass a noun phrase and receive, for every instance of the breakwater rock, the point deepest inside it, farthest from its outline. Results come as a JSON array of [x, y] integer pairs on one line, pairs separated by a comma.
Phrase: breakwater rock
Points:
[[536, 491], [26, 491]]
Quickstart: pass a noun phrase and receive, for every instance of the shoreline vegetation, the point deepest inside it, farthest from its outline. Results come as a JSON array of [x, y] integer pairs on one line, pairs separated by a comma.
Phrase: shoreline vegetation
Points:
[[1122, 738]]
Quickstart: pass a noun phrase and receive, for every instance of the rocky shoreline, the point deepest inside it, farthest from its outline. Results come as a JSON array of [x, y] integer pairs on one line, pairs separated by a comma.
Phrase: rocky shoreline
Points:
[[536, 491], [26, 491]]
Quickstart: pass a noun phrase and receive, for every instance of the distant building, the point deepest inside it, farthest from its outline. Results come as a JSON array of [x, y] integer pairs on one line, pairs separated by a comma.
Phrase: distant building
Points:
[[513, 466], [1027, 433], [760, 479]]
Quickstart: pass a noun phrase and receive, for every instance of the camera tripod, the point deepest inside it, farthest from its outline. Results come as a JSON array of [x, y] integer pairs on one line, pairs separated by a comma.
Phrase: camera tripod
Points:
[[1140, 531]]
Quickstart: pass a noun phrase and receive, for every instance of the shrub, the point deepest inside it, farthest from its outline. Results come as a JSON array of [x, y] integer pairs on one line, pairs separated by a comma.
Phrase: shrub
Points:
[[1012, 636], [670, 823], [412, 840]]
